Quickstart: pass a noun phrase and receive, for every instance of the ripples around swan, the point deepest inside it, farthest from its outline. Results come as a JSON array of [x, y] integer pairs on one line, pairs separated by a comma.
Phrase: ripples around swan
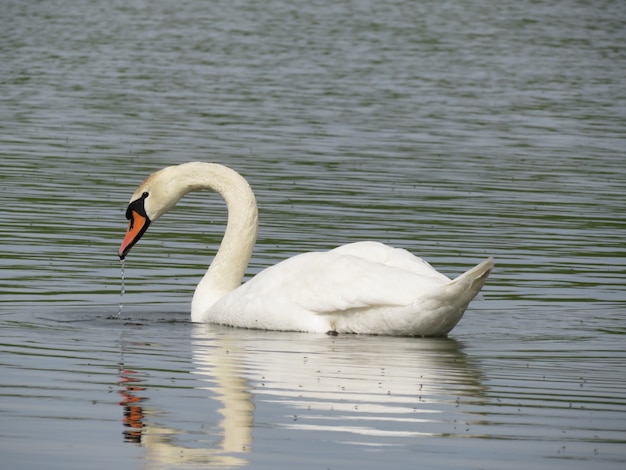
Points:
[[182, 395], [456, 130]]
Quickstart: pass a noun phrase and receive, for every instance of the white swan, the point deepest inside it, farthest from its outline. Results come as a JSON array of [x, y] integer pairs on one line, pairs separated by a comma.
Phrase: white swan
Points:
[[363, 287]]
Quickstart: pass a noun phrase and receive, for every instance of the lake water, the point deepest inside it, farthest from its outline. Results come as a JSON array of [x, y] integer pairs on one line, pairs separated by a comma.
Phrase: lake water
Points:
[[456, 130]]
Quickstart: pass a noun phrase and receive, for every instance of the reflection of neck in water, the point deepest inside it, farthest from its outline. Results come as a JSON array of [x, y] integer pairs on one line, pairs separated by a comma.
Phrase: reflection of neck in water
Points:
[[219, 362], [160, 442]]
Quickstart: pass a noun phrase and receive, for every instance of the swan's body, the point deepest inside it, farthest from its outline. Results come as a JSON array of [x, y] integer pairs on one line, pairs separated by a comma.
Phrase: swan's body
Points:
[[363, 287]]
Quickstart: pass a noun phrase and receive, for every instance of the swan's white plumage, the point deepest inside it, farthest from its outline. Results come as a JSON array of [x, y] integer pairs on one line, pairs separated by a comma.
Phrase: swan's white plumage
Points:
[[363, 287]]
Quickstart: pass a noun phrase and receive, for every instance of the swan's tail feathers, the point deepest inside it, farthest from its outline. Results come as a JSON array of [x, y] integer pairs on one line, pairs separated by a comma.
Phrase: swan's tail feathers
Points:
[[468, 284], [445, 305]]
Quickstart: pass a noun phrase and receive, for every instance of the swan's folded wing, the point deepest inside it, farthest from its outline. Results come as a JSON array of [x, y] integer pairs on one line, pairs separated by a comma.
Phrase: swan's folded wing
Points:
[[331, 282], [399, 258]]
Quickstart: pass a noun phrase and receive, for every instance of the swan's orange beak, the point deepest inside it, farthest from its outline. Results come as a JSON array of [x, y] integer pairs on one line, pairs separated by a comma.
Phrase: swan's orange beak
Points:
[[138, 223]]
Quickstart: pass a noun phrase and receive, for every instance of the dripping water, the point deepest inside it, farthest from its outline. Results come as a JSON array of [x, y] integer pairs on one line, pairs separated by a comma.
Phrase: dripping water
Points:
[[122, 290]]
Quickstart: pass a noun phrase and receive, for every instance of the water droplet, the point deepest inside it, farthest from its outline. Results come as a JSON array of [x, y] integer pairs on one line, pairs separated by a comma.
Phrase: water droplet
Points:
[[122, 290]]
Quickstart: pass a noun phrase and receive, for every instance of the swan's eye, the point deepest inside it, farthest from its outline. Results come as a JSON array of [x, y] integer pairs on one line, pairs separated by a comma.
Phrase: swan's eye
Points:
[[137, 206]]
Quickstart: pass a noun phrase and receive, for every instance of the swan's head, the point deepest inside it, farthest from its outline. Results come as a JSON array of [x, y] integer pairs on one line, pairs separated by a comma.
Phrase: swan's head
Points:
[[153, 198], [163, 189]]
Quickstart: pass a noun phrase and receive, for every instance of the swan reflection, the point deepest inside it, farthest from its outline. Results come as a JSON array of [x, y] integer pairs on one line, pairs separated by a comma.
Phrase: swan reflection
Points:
[[166, 445], [131, 401], [363, 385], [375, 391]]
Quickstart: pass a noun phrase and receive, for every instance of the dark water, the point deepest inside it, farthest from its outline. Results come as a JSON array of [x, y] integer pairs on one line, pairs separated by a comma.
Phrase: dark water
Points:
[[454, 130]]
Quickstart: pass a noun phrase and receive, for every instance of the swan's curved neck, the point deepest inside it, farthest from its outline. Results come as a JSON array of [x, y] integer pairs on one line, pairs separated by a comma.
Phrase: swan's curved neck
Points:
[[229, 265]]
